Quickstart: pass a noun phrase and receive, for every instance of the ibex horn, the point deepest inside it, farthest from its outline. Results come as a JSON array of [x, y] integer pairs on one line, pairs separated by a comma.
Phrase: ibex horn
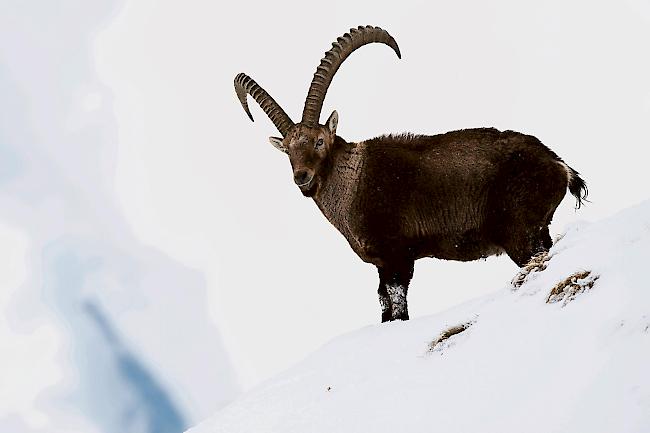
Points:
[[341, 49], [245, 85]]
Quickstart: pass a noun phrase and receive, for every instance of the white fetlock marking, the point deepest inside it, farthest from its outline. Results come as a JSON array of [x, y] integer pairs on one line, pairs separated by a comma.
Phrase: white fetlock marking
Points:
[[397, 295], [384, 302]]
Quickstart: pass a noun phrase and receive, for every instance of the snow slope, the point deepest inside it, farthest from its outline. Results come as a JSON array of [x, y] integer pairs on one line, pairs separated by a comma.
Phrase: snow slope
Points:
[[581, 364]]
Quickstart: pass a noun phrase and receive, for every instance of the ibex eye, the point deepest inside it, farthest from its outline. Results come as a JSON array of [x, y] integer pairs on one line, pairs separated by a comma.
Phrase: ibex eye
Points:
[[319, 142]]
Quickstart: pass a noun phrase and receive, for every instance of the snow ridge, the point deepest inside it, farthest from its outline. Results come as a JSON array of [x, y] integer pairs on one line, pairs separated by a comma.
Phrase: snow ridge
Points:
[[524, 364]]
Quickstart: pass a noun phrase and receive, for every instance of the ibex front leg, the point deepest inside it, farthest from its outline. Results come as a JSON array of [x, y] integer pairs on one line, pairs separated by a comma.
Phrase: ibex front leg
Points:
[[394, 281]]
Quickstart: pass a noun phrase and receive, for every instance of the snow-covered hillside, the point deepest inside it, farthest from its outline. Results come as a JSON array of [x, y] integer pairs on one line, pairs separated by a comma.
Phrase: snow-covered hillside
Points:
[[577, 362]]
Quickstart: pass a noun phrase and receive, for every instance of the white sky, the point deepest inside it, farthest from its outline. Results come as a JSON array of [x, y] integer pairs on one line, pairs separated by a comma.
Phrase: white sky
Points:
[[197, 179]]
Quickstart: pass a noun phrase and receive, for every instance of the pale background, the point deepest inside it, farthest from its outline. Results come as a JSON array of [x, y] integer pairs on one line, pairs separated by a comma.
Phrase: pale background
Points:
[[196, 178], [126, 119]]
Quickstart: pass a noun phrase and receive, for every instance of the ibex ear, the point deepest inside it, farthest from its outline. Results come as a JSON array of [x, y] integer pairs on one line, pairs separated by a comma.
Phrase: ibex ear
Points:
[[333, 122], [277, 143]]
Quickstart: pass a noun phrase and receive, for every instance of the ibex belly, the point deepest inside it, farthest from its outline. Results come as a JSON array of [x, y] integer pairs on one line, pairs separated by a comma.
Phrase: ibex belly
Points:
[[376, 238], [452, 232]]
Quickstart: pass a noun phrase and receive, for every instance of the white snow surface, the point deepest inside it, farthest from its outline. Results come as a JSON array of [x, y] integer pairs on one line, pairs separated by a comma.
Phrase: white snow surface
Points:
[[523, 364]]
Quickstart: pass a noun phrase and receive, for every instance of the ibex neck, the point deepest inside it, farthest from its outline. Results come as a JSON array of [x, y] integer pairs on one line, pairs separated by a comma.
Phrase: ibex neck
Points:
[[334, 197]]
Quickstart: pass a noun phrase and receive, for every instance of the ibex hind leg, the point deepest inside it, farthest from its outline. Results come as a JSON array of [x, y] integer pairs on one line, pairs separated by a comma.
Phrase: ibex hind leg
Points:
[[393, 288], [522, 246], [547, 241]]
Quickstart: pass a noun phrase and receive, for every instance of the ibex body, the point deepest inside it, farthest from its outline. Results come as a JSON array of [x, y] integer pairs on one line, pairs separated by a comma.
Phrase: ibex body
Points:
[[462, 195]]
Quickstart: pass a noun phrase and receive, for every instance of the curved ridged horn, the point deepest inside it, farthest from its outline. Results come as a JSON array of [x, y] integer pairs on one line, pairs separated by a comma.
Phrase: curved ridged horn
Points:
[[341, 49], [245, 85]]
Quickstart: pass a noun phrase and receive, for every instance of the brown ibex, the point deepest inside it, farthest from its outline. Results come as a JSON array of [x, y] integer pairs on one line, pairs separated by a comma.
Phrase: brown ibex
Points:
[[462, 195]]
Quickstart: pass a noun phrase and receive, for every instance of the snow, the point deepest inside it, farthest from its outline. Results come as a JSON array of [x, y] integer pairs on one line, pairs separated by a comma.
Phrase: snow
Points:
[[522, 365]]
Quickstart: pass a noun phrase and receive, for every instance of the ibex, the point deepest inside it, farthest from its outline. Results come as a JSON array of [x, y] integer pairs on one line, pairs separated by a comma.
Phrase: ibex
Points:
[[462, 195]]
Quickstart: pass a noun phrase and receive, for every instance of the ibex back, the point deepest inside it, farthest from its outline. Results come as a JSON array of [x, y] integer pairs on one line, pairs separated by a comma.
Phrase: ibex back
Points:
[[462, 195]]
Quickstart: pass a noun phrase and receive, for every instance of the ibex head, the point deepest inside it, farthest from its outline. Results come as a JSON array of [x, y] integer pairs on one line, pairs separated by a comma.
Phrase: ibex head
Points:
[[309, 149], [309, 144]]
